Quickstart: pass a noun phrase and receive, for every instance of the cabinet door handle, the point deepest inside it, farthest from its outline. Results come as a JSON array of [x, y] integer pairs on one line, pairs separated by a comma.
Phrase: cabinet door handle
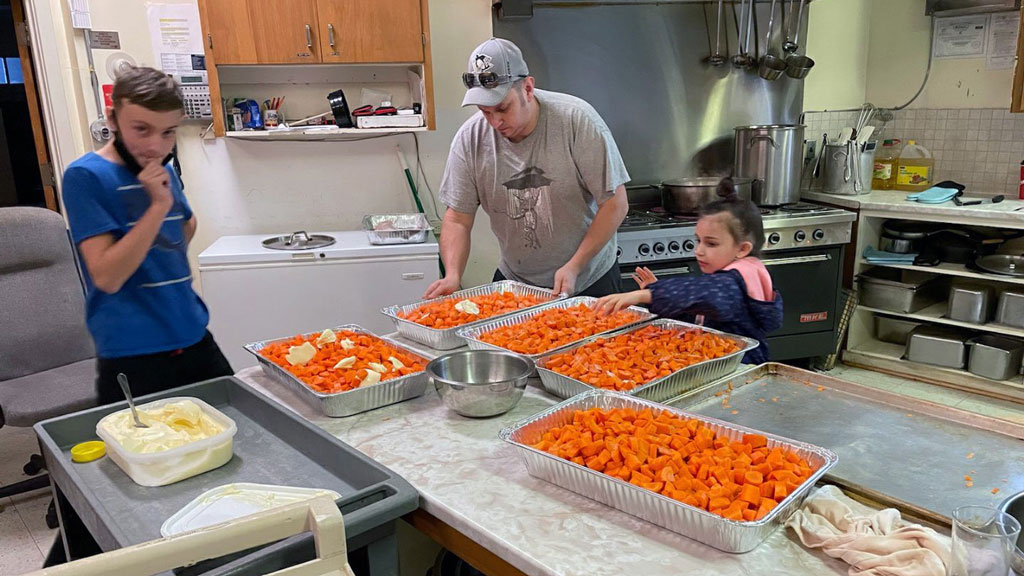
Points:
[[209, 38], [412, 276], [309, 37], [330, 35]]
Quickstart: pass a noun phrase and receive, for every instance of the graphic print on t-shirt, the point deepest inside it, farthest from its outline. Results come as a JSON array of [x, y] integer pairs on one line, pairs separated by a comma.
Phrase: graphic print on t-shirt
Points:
[[525, 192]]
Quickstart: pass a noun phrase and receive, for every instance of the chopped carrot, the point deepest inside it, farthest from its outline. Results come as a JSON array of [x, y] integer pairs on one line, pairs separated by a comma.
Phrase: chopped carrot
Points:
[[323, 372], [681, 459], [442, 314], [555, 327], [631, 360]]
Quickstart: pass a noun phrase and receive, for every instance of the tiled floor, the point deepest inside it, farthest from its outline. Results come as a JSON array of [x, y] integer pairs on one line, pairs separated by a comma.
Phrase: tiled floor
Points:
[[24, 538]]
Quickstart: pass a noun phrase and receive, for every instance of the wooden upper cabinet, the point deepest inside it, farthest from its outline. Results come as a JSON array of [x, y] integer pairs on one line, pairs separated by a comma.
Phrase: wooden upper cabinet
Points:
[[228, 31], [1017, 99], [285, 31], [370, 30]]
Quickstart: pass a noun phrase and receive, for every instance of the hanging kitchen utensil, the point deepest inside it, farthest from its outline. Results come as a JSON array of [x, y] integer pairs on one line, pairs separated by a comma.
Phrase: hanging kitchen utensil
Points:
[[716, 58], [771, 66], [741, 59], [788, 46], [793, 46], [798, 66], [1002, 264]]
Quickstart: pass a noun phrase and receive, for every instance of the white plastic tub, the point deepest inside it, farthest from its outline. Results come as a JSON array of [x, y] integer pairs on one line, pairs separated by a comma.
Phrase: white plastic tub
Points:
[[234, 501], [175, 464]]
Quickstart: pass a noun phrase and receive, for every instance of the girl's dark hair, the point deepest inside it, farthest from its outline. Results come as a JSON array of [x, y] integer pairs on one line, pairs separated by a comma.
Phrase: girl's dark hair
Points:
[[745, 217]]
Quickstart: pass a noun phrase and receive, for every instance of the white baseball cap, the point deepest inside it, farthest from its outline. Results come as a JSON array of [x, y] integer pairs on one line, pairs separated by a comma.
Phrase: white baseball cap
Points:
[[502, 58]]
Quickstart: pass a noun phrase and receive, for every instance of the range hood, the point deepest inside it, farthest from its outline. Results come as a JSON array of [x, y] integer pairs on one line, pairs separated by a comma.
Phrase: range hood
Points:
[[966, 7]]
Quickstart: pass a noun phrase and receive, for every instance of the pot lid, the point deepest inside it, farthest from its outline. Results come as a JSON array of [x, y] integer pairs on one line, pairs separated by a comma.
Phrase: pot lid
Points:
[[298, 241], [908, 229], [1003, 264], [771, 127]]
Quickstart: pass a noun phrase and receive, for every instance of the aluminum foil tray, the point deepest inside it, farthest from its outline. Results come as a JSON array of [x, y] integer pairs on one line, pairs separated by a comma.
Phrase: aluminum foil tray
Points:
[[700, 525], [659, 389], [341, 404], [447, 339], [472, 334], [409, 228]]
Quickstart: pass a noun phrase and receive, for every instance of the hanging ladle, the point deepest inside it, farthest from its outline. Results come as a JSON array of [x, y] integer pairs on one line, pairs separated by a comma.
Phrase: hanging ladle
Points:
[[788, 46], [772, 66], [717, 59], [743, 59], [798, 66]]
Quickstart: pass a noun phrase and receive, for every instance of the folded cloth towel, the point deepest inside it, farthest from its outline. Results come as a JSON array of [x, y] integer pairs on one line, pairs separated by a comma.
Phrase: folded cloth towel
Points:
[[934, 195], [880, 257], [873, 543]]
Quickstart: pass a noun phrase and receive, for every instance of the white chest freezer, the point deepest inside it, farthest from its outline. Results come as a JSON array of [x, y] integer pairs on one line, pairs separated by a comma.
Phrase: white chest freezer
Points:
[[257, 293]]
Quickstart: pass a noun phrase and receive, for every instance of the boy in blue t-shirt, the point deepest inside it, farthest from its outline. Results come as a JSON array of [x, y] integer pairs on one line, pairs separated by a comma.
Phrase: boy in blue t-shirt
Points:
[[132, 225]]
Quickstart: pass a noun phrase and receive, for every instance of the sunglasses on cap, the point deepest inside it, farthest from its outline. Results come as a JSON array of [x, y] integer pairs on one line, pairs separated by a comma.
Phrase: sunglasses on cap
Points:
[[487, 79]]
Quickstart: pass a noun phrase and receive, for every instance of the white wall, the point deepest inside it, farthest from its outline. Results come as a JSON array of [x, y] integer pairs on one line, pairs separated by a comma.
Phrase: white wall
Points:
[[899, 53], [837, 40], [877, 51], [240, 187]]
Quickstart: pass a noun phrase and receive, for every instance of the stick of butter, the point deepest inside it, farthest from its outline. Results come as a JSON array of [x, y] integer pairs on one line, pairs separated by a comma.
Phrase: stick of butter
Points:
[[347, 344], [379, 368], [325, 338], [372, 378], [300, 355], [345, 362], [396, 363], [468, 307]]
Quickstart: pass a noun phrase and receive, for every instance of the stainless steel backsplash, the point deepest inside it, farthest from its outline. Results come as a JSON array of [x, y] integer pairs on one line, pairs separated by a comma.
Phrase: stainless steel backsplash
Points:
[[643, 67]]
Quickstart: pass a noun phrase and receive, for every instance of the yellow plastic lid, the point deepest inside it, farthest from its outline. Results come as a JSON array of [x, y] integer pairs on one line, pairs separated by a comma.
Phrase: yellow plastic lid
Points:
[[88, 451], [911, 142]]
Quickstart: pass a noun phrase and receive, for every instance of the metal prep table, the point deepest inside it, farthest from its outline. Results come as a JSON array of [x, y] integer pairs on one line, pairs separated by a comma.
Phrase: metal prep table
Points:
[[894, 450], [272, 446]]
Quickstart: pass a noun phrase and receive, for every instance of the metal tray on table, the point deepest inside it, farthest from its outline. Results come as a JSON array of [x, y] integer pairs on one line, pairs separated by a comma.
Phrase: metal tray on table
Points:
[[659, 389], [895, 450], [700, 525], [341, 404], [447, 339], [472, 335], [273, 446], [407, 228]]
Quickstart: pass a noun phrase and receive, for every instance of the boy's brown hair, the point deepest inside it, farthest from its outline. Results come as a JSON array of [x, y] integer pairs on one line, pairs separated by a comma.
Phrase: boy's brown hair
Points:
[[149, 88]]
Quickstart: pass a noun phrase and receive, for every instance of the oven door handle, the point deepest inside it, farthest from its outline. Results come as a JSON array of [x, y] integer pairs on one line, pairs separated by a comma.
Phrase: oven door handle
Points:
[[663, 272], [797, 260]]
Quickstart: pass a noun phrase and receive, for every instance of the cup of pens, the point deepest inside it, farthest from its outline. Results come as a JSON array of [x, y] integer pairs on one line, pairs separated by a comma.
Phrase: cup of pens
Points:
[[272, 117]]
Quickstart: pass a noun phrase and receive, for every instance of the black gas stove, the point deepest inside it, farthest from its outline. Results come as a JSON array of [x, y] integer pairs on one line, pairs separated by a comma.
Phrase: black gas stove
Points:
[[803, 252]]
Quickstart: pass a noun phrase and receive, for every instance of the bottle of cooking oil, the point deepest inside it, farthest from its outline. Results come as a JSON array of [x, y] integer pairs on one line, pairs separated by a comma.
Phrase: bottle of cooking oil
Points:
[[885, 165], [914, 168]]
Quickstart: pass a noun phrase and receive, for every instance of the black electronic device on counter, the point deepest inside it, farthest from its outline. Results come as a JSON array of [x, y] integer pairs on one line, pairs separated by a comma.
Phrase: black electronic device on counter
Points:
[[339, 107]]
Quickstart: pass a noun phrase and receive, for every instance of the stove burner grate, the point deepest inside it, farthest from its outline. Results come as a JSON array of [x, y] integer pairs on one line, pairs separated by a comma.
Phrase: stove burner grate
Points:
[[800, 207]]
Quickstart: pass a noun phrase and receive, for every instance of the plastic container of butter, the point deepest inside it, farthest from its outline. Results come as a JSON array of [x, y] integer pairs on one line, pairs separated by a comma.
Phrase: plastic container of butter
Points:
[[174, 464]]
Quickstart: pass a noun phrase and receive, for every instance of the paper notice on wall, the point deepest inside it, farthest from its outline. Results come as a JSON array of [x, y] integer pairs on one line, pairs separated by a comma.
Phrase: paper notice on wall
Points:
[[80, 16], [177, 38], [962, 37], [1002, 40]]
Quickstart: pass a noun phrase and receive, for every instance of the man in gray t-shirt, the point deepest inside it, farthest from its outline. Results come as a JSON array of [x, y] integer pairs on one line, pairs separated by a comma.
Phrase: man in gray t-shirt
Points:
[[545, 169]]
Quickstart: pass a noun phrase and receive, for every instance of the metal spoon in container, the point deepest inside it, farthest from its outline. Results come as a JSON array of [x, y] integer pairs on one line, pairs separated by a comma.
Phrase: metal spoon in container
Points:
[[123, 381], [771, 66]]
